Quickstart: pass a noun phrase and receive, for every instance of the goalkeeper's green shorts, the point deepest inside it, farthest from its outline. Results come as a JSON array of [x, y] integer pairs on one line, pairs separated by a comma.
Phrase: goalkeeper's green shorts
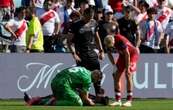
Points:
[[64, 95]]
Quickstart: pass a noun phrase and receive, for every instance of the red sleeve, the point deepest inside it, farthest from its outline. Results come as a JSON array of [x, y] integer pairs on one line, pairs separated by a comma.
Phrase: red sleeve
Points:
[[11, 3]]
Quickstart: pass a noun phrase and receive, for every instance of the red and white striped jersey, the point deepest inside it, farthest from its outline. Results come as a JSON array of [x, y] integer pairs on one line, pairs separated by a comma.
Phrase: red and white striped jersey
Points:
[[39, 3], [150, 32], [141, 17], [48, 20], [169, 32], [163, 15], [19, 27]]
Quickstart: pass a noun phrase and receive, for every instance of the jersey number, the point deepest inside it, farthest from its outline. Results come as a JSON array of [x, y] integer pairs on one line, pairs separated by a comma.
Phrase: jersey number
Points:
[[76, 69]]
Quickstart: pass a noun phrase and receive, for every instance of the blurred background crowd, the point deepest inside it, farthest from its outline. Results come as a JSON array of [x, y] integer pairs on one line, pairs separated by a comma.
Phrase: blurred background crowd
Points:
[[45, 25]]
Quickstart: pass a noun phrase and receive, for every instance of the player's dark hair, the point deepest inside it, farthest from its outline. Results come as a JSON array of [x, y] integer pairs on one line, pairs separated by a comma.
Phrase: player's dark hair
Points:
[[89, 12], [19, 10], [144, 3], [98, 72], [127, 9]]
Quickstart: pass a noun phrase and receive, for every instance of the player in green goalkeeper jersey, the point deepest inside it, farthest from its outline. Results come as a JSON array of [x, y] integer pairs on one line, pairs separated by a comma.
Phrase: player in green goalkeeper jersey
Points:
[[70, 87]]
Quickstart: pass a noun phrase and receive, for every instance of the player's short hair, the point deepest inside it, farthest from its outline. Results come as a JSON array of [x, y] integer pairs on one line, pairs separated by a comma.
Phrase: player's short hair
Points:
[[19, 10], [98, 72], [31, 9], [89, 12], [127, 9], [108, 39], [144, 3], [75, 14]]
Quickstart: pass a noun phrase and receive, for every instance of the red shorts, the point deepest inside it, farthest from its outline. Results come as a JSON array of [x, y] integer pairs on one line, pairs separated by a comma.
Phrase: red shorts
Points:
[[133, 63]]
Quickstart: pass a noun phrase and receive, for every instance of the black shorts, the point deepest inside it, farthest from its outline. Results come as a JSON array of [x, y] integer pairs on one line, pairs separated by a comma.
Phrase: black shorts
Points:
[[89, 60]]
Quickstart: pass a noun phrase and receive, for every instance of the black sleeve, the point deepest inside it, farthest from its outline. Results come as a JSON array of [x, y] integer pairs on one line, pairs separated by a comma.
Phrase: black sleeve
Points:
[[97, 28], [134, 26], [119, 21], [72, 29]]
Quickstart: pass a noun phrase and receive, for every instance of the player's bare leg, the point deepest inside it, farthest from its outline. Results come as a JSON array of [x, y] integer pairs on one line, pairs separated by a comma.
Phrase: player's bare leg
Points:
[[117, 88], [129, 90], [47, 100]]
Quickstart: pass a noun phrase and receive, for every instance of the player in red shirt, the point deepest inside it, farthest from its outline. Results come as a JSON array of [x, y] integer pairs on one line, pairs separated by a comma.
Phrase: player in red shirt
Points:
[[126, 63], [6, 9]]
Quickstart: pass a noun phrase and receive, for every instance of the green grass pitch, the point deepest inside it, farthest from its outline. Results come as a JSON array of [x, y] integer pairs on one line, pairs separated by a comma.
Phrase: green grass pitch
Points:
[[138, 104]]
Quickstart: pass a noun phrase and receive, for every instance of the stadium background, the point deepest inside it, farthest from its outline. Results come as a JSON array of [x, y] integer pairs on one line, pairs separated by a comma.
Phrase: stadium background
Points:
[[156, 68], [33, 73], [153, 81]]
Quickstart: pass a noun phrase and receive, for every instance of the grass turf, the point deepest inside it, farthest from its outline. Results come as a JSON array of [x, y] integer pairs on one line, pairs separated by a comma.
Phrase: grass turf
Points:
[[138, 104]]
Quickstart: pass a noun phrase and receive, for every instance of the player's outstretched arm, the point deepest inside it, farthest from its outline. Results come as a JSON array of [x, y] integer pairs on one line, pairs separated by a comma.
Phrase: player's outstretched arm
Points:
[[85, 98]]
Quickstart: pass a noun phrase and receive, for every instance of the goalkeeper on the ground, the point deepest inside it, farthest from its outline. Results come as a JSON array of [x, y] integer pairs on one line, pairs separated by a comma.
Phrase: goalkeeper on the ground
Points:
[[70, 87]]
